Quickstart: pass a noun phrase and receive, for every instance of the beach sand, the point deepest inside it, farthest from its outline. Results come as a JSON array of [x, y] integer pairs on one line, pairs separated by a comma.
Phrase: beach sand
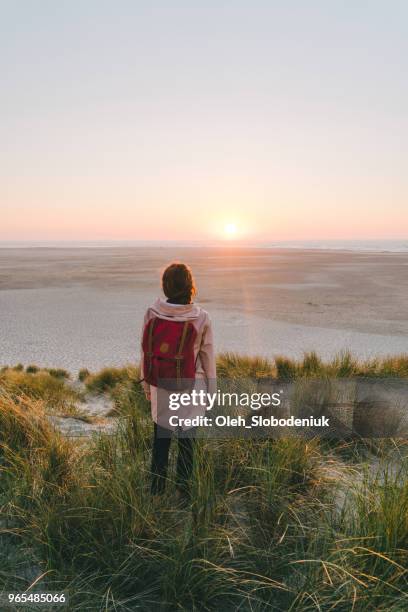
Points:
[[75, 307]]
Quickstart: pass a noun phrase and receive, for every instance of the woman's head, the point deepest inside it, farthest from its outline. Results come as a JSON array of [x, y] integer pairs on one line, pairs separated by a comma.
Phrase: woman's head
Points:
[[178, 283]]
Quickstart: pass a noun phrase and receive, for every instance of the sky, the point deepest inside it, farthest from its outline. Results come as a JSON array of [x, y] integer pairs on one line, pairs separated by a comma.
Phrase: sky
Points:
[[158, 120]]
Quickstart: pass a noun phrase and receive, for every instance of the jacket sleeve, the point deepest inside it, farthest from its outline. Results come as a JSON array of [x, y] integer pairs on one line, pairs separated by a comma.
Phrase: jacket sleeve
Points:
[[146, 386], [207, 355]]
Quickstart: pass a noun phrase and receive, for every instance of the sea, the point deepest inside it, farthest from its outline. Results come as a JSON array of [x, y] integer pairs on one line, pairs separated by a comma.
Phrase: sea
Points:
[[372, 245]]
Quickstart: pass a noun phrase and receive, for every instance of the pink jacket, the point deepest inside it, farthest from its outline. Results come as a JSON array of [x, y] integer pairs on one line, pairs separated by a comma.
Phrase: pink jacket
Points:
[[204, 353]]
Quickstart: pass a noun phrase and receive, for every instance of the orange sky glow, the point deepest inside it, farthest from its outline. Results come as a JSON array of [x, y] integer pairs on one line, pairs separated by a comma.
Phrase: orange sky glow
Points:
[[174, 121]]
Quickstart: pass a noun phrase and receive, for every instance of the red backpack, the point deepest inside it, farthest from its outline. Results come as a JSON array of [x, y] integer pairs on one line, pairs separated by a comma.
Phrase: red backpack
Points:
[[168, 349]]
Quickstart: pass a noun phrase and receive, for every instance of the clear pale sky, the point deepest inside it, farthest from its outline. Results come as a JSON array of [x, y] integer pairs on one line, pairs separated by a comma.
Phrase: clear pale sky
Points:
[[129, 119]]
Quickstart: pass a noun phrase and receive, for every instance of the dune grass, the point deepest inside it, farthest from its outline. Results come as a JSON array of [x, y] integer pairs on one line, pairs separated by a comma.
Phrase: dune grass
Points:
[[48, 385], [289, 524], [236, 366], [343, 365], [121, 384]]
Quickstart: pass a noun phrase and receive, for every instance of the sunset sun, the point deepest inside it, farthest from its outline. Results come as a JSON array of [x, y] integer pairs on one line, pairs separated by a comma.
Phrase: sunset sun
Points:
[[230, 230]]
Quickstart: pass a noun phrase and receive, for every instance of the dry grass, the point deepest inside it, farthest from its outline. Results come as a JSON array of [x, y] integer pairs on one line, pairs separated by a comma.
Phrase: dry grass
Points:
[[272, 525], [39, 384]]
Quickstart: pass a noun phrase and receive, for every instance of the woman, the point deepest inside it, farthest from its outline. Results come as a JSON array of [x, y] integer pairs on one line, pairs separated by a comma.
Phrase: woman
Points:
[[177, 348]]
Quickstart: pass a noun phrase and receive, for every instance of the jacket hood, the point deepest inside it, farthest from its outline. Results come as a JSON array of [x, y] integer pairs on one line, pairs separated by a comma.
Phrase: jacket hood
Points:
[[176, 312]]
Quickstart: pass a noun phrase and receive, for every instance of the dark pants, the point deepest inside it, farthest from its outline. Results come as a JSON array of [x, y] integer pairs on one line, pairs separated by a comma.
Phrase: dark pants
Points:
[[160, 458]]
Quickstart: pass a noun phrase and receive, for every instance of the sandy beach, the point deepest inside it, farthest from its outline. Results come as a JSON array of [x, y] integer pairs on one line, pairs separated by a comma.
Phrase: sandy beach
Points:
[[76, 307]]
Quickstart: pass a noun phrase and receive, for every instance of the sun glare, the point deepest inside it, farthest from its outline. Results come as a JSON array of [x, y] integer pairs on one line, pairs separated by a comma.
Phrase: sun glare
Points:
[[230, 230]]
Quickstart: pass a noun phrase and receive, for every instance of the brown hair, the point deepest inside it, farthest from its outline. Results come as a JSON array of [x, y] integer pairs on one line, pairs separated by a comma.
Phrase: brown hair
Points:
[[178, 283]]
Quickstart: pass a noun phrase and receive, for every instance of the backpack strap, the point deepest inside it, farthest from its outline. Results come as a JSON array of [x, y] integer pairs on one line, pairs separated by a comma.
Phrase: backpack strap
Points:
[[179, 356], [183, 338], [150, 344]]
